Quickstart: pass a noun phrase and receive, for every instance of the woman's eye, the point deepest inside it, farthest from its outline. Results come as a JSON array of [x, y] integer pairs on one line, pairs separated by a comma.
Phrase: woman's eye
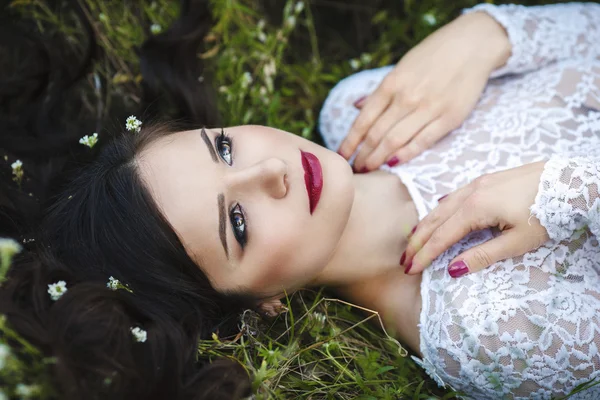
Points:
[[224, 145], [238, 223]]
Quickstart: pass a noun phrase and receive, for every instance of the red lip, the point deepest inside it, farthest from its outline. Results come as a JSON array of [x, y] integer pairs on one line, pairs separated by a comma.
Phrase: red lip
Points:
[[313, 178]]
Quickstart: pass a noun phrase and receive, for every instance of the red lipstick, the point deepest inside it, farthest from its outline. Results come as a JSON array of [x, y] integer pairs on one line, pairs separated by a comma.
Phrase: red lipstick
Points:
[[313, 178]]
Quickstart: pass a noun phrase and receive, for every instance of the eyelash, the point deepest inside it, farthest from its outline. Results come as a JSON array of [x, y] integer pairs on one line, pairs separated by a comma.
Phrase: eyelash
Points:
[[239, 231], [236, 214], [226, 142]]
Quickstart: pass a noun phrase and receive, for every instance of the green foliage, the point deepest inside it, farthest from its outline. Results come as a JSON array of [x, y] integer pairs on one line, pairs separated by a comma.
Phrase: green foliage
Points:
[[323, 348]]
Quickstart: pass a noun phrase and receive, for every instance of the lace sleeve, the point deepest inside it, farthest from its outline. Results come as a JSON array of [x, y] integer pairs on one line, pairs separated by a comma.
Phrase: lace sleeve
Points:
[[540, 35], [568, 198]]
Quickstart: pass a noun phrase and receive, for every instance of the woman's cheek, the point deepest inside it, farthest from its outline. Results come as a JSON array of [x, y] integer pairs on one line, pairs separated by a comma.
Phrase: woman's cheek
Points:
[[277, 261]]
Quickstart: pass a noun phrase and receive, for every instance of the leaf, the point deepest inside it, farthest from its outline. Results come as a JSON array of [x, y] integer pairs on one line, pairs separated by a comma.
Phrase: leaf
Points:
[[384, 369]]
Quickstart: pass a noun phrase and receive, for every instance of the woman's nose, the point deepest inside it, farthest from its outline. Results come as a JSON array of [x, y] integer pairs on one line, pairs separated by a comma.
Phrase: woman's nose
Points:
[[268, 176]]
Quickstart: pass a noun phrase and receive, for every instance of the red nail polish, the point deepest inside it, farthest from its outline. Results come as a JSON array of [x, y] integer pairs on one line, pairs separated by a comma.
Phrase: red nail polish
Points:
[[408, 267], [359, 103], [363, 170], [458, 269], [393, 161], [442, 198], [414, 229], [403, 258]]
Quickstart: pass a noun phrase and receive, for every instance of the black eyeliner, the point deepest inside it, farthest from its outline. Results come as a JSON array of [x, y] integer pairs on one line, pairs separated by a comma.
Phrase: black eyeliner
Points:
[[219, 139], [241, 238]]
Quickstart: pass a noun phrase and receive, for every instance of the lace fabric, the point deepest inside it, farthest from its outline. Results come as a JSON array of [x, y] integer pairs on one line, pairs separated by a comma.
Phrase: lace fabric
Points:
[[568, 198], [526, 327]]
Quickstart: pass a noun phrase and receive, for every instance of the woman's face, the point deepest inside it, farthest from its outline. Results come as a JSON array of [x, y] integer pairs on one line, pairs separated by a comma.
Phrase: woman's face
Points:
[[241, 206]]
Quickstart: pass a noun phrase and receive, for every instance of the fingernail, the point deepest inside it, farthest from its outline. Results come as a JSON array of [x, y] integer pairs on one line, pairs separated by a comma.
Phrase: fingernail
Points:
[[363, 170], [458, 269], [403, 258], [340, 153], [359, 103], [414, 229], [442, 198], [408, 267], [393, 161]]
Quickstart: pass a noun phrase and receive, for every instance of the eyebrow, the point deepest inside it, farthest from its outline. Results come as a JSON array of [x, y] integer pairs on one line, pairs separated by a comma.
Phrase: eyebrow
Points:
[[211, 150], [222, 223], [220, 197]]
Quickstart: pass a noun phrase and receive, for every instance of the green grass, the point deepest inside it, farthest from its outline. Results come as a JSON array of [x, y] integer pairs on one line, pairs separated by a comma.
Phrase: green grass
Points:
[[322, 348]]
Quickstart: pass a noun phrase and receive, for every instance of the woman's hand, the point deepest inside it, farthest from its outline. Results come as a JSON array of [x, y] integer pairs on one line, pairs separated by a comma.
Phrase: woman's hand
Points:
[[499, 200], [430, 92]]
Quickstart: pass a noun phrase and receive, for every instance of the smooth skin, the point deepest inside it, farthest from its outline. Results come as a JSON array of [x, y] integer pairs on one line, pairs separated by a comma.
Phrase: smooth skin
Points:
[[430, 92]]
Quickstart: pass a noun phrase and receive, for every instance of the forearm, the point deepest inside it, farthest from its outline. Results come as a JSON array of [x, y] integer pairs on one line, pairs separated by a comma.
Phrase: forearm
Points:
[[494, 45], [540, 35]]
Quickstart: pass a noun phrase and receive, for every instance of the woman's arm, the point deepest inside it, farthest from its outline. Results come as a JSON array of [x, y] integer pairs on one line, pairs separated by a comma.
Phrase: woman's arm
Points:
[[565, 195], [540, 35], [430, 92]]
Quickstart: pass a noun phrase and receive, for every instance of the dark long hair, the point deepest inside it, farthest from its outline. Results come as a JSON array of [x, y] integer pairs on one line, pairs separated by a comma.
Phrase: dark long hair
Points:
[[106, 224]]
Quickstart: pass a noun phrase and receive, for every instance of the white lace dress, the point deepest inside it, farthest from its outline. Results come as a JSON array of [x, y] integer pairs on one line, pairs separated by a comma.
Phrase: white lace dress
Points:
[[526, 327]]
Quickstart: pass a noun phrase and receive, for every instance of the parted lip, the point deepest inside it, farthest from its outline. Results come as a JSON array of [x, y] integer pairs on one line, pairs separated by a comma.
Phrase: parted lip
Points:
[[313, 178]]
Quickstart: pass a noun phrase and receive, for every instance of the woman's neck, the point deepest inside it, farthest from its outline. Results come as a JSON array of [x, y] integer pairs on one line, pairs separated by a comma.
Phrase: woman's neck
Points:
[[382, 216]]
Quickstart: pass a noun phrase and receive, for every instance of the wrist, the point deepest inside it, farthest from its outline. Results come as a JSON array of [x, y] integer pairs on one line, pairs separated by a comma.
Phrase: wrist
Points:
[[493, 43]]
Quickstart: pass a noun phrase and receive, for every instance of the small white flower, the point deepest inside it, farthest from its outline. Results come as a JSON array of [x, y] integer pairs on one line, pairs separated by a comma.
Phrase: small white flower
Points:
[[26, 391], [139, 334], [222, 89], [56, 290], [299, 7], [366, 58], [113, 284], [89, 141], [4, 353], [246, 79], [262, 37], [261, 25], [319, 318], [155, 29], [354, 63], [290, 21], [16, 165], [270, 69], [429, 19], [9, 247], [17, 170], [133, 124]]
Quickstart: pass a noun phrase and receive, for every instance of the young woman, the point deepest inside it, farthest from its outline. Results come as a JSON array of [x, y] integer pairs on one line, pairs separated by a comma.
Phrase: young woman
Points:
[[200, 223]]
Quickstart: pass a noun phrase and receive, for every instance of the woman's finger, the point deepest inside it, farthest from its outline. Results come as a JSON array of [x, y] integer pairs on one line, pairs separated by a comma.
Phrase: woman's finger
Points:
[[373, 107], [394, 113], [399, 135], [428, 136], [443, 237], [433, 221], [508, 244]]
